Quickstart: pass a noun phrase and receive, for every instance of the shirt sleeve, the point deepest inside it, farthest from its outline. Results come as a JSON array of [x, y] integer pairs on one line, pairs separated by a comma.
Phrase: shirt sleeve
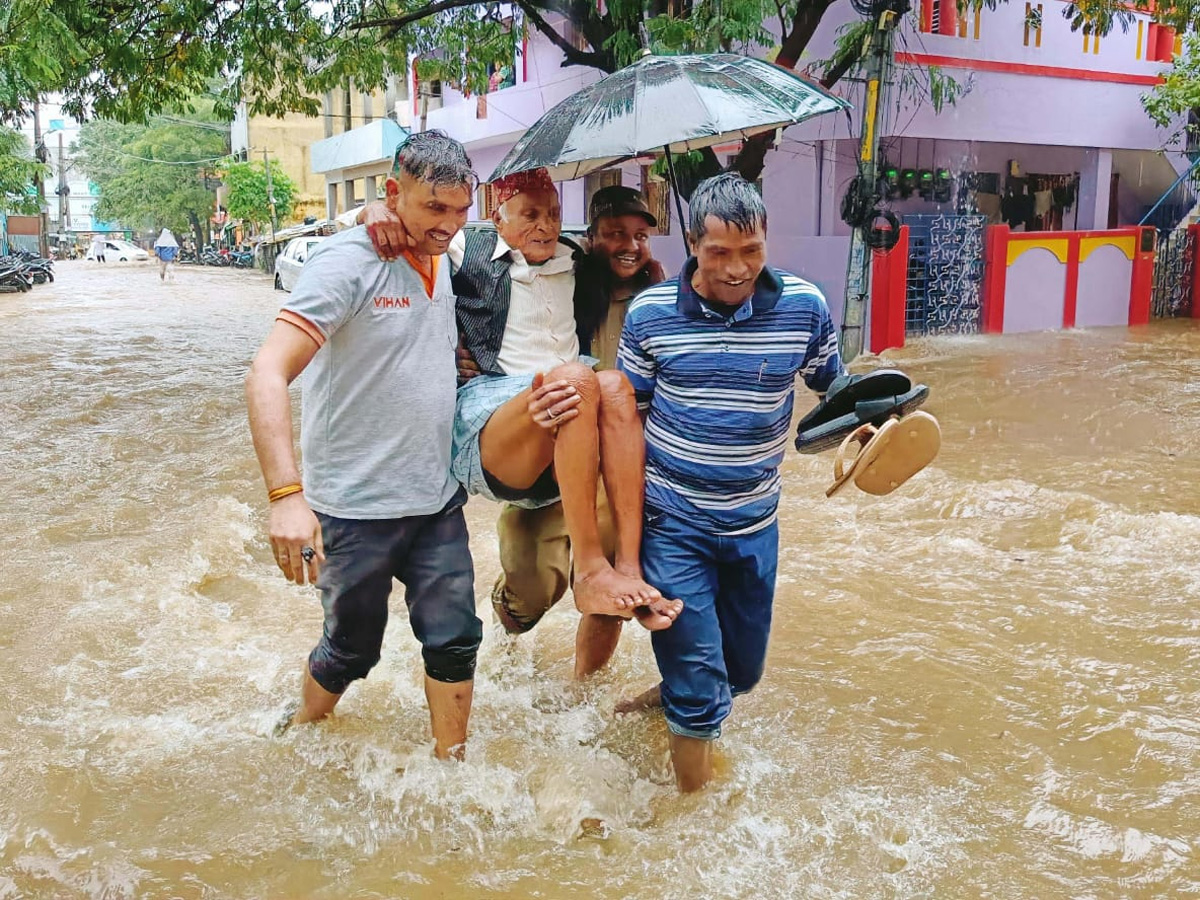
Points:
[[822, 361], [639, 366], [348, 219], [328, 291]]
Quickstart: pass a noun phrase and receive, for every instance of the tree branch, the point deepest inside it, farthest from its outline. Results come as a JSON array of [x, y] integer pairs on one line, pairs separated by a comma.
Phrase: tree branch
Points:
[[835, 72], [804, 25], [783, 32], [398, 22], [573, 55], [751, 159]]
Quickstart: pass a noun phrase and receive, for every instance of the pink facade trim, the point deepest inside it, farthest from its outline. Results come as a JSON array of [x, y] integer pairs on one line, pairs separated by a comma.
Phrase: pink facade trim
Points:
[[1008, 68]]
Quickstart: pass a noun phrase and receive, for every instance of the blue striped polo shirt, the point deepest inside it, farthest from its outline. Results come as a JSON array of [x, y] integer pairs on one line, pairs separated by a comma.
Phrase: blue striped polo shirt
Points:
[[720, 390]]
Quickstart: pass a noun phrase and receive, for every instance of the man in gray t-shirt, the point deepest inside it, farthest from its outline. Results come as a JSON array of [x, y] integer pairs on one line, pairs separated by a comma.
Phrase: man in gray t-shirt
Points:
[[375, 341]]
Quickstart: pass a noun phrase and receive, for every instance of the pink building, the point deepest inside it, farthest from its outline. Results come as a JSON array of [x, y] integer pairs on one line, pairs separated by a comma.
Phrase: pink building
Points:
[[1055, 112]]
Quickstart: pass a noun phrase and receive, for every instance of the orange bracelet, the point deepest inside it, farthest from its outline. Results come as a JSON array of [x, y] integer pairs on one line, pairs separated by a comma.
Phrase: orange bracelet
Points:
[[286, 491]]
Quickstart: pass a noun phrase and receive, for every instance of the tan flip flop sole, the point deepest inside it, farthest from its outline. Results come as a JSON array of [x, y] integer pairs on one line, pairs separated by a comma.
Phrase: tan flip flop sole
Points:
[[890, 454]]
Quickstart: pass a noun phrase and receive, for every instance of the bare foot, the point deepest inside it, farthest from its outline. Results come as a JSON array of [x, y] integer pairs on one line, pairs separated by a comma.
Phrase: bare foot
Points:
[[606, 592], [643, 591], [651, 699], [658, 614]]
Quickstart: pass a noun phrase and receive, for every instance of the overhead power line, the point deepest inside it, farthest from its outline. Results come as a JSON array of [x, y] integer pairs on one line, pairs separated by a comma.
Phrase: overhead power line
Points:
[[210, 126]]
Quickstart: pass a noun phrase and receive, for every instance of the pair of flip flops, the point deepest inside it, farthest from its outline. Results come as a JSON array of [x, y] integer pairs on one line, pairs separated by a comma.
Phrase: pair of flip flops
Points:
[[852, 401], [888, 455]]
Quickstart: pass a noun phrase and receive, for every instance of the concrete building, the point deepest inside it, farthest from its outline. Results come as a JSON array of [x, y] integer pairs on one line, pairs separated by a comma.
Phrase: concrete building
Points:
[[1055, 110], [307, 148]]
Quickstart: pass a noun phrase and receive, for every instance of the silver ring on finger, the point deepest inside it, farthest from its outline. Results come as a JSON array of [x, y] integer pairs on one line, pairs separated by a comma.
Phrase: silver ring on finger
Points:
[[550, 414]]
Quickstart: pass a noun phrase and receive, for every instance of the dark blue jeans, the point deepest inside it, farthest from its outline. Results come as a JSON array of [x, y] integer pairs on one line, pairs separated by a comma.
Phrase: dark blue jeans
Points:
[[718, 646], [429, 555]]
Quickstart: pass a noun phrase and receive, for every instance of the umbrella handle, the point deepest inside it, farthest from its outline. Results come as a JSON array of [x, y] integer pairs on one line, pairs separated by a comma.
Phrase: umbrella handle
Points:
[[687, 251]]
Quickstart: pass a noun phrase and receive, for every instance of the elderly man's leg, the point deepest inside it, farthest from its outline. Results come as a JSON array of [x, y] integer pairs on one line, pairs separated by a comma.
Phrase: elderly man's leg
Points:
[[596, 637], [623, 465], [515, 451]]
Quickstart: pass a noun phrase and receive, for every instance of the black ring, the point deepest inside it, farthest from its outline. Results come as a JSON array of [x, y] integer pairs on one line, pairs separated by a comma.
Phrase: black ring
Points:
[[308, 553]]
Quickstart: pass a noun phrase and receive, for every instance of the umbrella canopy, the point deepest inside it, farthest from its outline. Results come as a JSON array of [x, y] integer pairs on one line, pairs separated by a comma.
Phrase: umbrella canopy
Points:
[[679, 102]]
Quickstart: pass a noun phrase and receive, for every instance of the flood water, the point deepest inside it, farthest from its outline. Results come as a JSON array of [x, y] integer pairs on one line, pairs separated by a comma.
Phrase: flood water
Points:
[[984, 685]]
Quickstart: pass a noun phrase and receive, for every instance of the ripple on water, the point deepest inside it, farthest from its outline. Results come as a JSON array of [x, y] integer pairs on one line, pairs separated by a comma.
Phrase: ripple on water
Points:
[[976, 687]]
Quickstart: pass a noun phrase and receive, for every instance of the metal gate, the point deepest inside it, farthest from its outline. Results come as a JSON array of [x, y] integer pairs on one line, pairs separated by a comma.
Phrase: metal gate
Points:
[[945, 274], [1174, 261]]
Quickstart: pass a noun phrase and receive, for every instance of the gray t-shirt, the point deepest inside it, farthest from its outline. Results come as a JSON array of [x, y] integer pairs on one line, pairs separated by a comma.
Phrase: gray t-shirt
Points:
[[378, 397]]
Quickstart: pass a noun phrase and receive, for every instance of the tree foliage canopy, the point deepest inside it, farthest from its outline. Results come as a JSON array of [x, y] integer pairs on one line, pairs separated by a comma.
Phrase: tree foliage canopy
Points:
[[249, 195], [1179, 94], [154, 174], [129, 59], [19, 171]]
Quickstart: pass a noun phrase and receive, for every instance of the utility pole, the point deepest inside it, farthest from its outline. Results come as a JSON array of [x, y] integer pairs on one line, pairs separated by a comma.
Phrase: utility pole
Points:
[[270, 193], [64, 193], [39, 152], [878, 64]]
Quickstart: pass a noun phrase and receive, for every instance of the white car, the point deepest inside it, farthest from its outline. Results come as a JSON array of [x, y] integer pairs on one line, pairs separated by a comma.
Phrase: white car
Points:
[[289, 263], [120, 251]]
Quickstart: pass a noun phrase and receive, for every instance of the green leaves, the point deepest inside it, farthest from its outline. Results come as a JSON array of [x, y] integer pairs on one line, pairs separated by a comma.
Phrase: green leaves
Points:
[[18, 173], [1179, 93], [128, 60], [250, 197], [153, 175]]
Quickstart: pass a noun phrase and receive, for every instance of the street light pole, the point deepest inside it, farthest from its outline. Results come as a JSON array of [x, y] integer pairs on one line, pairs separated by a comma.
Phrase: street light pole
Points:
[[39, 152], [878, 67], [270, 193], [64, 192]]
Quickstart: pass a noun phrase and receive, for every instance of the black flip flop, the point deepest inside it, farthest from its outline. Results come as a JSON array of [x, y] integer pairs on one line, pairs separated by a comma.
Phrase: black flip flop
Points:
[[856, 400]]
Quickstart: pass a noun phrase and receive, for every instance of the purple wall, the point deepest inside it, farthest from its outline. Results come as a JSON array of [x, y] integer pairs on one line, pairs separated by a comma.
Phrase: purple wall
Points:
[[1104, 285], [1033, 292]]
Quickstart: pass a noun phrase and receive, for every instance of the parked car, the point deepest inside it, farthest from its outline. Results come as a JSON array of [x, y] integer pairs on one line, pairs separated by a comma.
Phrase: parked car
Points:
[[120, 251], [289, 263]]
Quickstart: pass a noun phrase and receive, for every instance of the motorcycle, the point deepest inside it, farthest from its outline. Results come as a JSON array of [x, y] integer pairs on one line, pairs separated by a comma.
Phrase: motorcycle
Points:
[[13, 275], [40, 269]]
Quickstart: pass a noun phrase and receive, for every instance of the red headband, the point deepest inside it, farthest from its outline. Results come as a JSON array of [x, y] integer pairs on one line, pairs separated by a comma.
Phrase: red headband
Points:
[[521, 183]]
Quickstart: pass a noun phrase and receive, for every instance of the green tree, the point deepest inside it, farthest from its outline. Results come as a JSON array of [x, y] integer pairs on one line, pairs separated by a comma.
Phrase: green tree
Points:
[[19, 173], [125, 60], [154, 175], [251, 199], [1179, 94]]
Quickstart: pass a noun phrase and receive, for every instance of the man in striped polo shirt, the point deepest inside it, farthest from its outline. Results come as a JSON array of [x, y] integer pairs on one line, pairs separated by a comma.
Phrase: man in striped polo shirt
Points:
[[713, 356]]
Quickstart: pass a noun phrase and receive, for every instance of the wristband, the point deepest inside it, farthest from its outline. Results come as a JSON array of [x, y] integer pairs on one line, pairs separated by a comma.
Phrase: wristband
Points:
[[286, 491]]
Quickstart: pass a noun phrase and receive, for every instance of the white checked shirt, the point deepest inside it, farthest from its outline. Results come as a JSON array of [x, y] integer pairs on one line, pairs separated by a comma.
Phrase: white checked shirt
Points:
[[540, 330]]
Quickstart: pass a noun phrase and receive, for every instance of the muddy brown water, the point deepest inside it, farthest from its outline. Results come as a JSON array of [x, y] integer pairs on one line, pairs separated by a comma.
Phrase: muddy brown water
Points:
[[985, 685]]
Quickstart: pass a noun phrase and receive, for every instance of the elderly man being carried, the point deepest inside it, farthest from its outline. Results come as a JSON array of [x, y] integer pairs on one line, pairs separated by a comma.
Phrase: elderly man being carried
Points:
[[539, 422]]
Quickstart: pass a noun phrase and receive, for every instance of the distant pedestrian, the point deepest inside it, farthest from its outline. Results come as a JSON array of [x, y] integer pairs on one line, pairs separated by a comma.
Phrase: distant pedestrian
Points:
[[98, 248], [166, 248]]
